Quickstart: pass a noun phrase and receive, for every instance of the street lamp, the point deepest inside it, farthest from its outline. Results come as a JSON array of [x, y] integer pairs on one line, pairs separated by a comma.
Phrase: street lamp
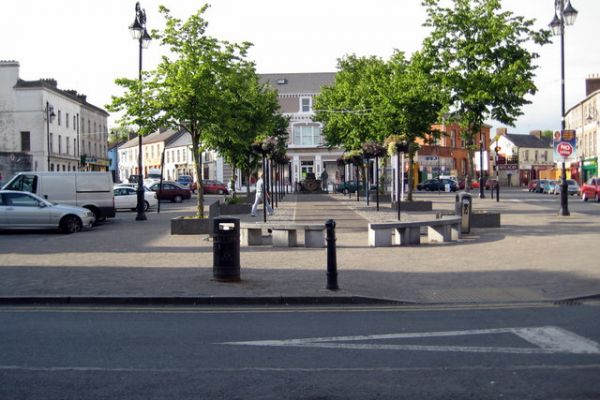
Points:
[[139, 33], [49, 111], [563, 16]]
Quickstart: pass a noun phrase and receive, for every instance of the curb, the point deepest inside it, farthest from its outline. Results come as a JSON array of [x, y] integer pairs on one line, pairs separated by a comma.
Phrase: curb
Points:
[[193, 301]]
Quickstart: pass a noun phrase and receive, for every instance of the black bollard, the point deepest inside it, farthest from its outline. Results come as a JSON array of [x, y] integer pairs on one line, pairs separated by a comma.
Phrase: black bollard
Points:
[[332, 283], [497, 191]]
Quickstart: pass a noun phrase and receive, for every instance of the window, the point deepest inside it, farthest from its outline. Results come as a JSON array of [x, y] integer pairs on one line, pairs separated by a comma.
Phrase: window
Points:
[[82, 125], [305, 105], [453, 138], [95, 127], [25, 141], [67, 120], [59, 117], [74, 121], [51, 146], [535, 156], [89, 126], [59, 144], [307, 135]]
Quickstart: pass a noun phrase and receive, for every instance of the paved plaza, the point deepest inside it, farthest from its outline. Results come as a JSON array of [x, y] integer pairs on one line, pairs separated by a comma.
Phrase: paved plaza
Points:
[[535, 255]]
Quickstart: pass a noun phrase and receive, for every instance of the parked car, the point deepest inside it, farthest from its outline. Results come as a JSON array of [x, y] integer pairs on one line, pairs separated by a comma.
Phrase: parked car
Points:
[[591, 189], [187, 181], [491, 183], [539, 187], [350, 187], [548, 186], [214, 187], [438, 184], [91, 190], [474, 184], [126, 197], [572, 187], [24, 210], [171, 191], [533, 184]]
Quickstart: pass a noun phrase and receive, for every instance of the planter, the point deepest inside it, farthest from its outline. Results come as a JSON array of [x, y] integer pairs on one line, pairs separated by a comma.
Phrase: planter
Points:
[[240, 208], [190, 226], [383, 198], [485, 219], [414, 205]]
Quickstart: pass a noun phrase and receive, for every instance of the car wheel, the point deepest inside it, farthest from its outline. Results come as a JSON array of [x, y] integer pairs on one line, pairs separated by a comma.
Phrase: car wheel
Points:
[[70, 224], [146, 205], [178, 199], [345, 191], [584, 196], [220, 191]]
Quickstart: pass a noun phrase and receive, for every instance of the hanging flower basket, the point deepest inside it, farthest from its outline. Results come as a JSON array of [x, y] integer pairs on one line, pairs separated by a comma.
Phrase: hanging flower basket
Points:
[[373, 149], [354, 157], [396, 144]]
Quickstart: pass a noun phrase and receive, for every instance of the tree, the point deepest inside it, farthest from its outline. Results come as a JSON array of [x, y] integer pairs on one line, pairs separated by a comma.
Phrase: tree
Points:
[[373, 99], [209, 88], [478, 53], [346, 107]]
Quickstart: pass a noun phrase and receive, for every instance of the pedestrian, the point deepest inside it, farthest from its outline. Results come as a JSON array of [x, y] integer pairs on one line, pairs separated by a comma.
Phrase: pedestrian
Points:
[[261, 195], [231, 185]]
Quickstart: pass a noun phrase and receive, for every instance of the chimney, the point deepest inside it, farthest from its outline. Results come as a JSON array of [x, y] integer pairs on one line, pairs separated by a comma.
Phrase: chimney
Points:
[[592, 84], [536, 133], [501, 131]]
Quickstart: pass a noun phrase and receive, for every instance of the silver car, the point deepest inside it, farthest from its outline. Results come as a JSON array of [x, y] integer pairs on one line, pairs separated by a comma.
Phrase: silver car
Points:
[[23, 210]]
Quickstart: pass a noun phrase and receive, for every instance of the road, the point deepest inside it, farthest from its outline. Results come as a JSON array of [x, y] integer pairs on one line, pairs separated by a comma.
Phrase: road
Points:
[[533, 351]]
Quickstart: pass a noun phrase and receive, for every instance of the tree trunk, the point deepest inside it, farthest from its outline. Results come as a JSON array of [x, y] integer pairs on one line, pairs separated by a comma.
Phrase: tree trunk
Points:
[[198, 164]]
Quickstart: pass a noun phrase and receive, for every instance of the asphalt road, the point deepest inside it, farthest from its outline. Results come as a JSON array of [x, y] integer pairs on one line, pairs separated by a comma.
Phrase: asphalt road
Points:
[[501, 352]]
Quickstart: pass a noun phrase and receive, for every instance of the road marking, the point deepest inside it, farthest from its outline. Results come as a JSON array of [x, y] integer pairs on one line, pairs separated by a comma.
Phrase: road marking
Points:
[[546, 339], [56, 369]]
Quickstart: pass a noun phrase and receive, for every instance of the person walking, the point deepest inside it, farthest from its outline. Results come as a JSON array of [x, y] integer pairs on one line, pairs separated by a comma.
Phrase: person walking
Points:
[[261, 195]]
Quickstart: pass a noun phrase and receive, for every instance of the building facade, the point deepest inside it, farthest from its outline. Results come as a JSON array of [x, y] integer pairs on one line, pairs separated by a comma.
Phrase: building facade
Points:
[[522, 158], [584, 118], [40, 126], [306, 150]]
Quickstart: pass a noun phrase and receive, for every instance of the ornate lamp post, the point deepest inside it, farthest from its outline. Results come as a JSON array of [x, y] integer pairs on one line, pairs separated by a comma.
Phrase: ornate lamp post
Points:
[[563, 16], [49, 111], [139, 33]]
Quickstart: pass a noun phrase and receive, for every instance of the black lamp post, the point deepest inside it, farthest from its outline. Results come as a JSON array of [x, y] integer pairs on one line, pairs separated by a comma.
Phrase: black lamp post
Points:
[[49, 117], [481, 178], [563, 16], [139, 33]]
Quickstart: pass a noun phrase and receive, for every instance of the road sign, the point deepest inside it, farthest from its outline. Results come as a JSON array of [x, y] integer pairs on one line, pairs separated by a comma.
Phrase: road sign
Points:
[[542, 340], [565, 145]]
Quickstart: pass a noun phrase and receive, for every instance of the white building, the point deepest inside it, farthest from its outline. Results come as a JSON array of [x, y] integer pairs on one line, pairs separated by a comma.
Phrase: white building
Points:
[[584, 118], [296, 93], [44, 128]]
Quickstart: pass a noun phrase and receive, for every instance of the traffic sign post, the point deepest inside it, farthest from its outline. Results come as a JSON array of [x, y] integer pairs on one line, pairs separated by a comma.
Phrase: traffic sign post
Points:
[[565, 148]]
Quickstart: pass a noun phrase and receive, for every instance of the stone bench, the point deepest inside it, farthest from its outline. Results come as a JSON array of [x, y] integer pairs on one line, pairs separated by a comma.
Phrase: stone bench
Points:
[[283, 234], [445, 229]]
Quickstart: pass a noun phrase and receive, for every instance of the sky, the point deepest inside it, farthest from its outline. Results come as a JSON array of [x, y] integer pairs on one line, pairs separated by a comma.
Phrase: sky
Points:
[[85, 45]]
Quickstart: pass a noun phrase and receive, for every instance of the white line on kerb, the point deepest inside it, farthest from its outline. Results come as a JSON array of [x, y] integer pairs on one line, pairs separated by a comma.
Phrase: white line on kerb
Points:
[[546, 339]]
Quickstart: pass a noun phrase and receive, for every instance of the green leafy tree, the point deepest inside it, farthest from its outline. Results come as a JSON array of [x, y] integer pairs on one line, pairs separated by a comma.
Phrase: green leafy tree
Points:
[[346, 107], [208, 87], [478, 52], [373, 99]]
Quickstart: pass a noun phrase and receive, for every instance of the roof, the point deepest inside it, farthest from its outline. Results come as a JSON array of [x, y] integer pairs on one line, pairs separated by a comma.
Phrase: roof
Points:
[[51, 85], [305, 83], [529, 141], [167, 136]]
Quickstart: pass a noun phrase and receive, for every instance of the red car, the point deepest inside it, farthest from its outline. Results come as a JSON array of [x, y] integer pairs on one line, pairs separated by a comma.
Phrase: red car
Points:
[[591, 189], [214, 187], [171, 191]]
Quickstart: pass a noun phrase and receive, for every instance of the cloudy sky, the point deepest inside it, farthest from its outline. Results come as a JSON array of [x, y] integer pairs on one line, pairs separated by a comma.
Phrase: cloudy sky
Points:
[[85, 44]]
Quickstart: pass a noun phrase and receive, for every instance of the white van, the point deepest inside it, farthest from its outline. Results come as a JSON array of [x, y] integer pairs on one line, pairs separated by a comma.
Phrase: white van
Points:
[[91, 190]]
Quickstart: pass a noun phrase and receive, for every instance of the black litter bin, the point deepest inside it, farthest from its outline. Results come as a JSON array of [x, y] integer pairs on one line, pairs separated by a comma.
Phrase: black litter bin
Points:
[[226, 249]]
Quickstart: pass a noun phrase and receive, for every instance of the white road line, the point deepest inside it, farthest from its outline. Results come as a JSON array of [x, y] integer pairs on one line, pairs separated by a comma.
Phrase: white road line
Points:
[[547, 340], [557, 367]]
